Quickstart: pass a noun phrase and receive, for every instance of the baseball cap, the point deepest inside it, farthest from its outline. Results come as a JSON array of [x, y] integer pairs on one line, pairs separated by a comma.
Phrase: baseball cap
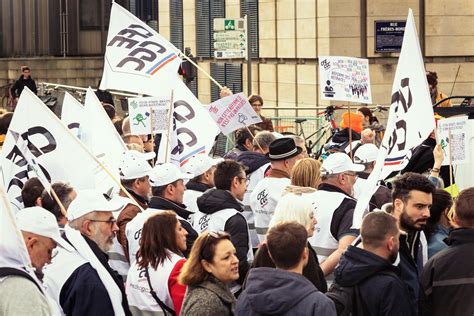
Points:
[[40, 221], [199, 164], [134, 164], [366, 153], [339, 163], [88, 201], [167, 173]]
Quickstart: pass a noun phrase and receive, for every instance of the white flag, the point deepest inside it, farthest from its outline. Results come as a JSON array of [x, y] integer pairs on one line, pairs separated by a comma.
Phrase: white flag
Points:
[[72, 114], [135, 53], [103, 140], [58, 152], [411, 118]]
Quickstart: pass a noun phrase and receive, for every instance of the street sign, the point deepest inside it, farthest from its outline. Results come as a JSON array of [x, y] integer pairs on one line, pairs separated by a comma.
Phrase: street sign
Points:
[[225, 54], [229, 35], [229, 44], [388, 36], [222, 24]]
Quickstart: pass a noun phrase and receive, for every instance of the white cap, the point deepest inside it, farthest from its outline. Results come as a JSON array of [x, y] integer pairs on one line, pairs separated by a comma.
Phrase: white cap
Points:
[[201, 163], [167, 173], [134, 164], [366, 153], [41, 222], [88, 201], [339, 163]]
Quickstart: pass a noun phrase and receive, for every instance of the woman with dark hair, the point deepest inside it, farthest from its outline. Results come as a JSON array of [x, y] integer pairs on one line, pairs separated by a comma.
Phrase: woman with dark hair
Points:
[[256, 102], [370, 121], [437, 226], [211, 266], [152, 282]]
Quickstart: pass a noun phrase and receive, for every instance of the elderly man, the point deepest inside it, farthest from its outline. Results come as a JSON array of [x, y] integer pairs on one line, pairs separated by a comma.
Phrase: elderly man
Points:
[[21, 292], [81, 281]]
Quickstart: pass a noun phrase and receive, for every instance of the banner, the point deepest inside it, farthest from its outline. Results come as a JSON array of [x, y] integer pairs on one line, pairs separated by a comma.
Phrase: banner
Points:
[[100, 136], [233, 112], [411, 117], [195, 129], [149, 115], [57, 152], [72, 114], [136, 53], [456, 144], [344, 79]]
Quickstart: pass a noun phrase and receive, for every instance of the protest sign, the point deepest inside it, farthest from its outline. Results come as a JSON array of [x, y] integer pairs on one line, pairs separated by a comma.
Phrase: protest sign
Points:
[[72, 114], [135, 53], [233, 112], [411, 117], [148, 114], [58, 152], [344, 79], [453, 136]]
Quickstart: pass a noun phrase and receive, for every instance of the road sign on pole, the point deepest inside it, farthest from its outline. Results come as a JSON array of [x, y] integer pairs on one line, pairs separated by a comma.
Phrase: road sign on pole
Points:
[[230, 40]]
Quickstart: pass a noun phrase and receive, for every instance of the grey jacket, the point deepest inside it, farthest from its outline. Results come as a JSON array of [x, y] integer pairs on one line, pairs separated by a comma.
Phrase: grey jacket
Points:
[[210, 298]]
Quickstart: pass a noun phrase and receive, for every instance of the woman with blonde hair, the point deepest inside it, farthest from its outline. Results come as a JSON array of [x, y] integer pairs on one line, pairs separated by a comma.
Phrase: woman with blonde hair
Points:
[[212, 265], [306, 173], [296, 207]]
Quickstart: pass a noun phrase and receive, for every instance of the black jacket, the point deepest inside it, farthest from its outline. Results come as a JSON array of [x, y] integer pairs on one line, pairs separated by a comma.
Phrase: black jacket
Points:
[[83, 293], [215, 200], [252, 160], [197, 186], [382, 291], [180, 209], [448, 277], [312, 271], [20, 84], [272, 291], [382, 196], [235, 152]]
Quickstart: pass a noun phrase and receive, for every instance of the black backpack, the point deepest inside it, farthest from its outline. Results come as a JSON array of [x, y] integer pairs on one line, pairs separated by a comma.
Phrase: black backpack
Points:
[[5, 271], [346, 300]]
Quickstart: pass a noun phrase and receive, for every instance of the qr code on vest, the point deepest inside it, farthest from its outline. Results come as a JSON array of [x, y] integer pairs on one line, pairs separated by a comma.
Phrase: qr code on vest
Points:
[[160, 119], [457, 146]]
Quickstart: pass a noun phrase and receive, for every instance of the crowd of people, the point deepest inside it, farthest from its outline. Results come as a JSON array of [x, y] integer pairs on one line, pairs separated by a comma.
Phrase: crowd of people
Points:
[[266, 230]]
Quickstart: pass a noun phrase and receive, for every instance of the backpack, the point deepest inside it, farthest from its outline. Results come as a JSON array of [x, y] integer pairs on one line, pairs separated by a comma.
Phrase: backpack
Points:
[[5, 271], [346, 300]]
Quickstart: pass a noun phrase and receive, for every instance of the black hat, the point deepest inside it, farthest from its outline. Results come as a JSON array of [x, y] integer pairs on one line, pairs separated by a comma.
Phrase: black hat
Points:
[[283, 148]]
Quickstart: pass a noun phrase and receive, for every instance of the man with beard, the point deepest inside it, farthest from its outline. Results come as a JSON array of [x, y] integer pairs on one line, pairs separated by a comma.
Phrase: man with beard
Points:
[[411, 200], [81, 281], [370, 268]]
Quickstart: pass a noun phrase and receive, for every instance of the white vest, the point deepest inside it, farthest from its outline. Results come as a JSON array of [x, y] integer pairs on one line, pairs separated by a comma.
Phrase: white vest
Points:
[[138, 290], [133, 231], [252, 180], [263, 201], [190, 200]]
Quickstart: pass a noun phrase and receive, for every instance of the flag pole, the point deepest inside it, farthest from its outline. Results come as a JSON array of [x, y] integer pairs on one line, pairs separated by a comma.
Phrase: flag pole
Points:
[[201, 69], [450, 163], [253, 138], [152, 135], [61, 205], [170, 126], [350, 131]]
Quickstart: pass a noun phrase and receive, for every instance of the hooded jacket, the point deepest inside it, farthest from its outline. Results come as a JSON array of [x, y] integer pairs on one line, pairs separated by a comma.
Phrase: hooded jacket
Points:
[[383, 291], [277, 292], [211, 203]]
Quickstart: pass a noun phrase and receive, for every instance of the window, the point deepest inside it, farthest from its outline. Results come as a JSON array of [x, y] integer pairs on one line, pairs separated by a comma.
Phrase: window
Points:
[[90, 14], [206, 12], [229, 75], [176, 23], [251, 6]]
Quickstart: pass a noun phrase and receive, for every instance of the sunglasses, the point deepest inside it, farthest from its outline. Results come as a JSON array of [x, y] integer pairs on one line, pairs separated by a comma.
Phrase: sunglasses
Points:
[[214, 235]]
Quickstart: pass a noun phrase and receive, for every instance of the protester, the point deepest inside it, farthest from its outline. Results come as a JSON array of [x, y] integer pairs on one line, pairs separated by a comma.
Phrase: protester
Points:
[[436, 95], [222, 211], [306, 173], [367, 156], [21, 293], [211, 266], [447, 279], [297, 207], [202, 167], [146, 140], [340, 141], [257, 165], [370, 269], [133, 142], [284, 290], [256, 102], [134, 171], [81, 281], [437, 227], [31, 192], [283, 154], [25, 80], [412, 199], [104, 96], [167, 188], [158, 266], [369, 121], [66, 194], [334, 198], [300, 142], [243, 138]]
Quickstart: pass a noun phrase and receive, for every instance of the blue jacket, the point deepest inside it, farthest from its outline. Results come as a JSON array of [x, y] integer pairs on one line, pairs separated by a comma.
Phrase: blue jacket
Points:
[[277, 292], [382, 291]]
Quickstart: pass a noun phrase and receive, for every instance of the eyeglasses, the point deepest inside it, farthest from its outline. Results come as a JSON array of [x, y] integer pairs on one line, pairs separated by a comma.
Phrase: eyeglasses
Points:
[[110, 221], [216, 235], [257, 104]]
